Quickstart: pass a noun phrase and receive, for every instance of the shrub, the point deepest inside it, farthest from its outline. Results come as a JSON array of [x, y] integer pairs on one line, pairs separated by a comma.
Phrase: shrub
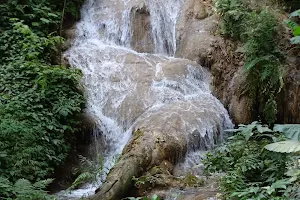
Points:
[[22, 189], [252, 172], [294, 27], [257, 30], [40, 103]]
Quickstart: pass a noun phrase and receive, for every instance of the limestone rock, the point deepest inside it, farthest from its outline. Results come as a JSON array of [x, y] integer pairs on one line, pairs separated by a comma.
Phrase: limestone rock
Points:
[[195, 31]]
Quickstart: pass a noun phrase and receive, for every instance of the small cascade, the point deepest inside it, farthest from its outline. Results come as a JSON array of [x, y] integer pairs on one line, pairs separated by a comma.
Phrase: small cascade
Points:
[[126, 89], [163, 20]]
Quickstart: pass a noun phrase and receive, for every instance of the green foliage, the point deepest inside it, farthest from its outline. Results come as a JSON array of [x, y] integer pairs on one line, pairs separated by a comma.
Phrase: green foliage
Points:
[[288, 146], [43, 16], [294, 27], [251, 171], [263, 63], [22, 189], [257, 29], [38, 107], [19, 42], [292, 132], [88, 171], [83, 178], [233, 16], [40, 102]]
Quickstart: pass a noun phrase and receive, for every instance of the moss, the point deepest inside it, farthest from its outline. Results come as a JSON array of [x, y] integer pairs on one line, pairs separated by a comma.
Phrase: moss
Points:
[[192, 181]]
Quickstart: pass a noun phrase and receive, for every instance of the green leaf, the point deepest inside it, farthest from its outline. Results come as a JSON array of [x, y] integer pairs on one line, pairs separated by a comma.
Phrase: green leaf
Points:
[[52, 15], [35, 24], [258, 60], [45, 20], [296, 31], [291, 131], [155, 197], [288, 146], [291, 24], [263, 129], [295, 14], [295, 40]]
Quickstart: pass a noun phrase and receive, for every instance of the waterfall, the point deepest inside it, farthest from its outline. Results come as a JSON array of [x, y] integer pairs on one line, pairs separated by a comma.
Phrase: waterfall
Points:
[[125, 89]]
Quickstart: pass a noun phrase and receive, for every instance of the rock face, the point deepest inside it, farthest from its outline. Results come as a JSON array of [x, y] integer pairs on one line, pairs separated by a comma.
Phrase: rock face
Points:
[[146, 149], [198, 40], [289, 104], [195, 31]]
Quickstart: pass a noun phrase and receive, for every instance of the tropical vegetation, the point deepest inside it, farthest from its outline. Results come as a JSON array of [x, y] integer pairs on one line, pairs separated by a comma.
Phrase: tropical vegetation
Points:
[[40, 103], [257, 29], [258, 162], [253, 166]]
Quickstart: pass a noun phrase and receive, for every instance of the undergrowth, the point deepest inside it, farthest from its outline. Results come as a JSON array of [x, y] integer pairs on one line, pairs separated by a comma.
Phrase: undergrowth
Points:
[[257, 29], [252, 172], [40, 103]]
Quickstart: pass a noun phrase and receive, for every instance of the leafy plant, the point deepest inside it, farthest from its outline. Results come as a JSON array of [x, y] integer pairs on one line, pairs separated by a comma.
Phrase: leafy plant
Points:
[[233, 14], [294, 26], [22, 189], [88, 171], [38, 108], [40, 103], [257, 30], [292, 145], [263, 64], [252, 172]]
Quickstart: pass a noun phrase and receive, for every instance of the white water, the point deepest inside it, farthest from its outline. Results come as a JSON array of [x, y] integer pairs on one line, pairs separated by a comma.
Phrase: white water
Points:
[[126, 89]]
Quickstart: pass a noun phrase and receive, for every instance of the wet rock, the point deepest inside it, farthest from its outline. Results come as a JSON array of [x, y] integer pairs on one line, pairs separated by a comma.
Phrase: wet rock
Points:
[[208, 191], [142, 40], [195, 32], [139, 155], [289, 104]]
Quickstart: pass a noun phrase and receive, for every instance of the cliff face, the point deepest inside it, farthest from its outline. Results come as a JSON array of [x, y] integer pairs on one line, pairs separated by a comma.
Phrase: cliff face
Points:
[[198, 40], [289, 104]]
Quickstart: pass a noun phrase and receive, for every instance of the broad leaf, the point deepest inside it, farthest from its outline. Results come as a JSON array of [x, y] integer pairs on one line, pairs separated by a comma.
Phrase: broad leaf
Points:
[[295, 40], [291, 23], [288, 146], [295, 14], [296, 31], [263, 129], [291, 131]]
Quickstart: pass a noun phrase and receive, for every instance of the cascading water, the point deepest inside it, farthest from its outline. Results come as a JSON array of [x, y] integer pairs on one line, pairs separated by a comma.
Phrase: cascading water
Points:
[[125, 89]]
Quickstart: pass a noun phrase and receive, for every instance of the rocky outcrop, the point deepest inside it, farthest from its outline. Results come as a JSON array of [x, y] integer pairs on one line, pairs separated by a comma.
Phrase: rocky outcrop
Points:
[[198, 40], [196, 29], [146, 149], [289, 104], [188, 117]]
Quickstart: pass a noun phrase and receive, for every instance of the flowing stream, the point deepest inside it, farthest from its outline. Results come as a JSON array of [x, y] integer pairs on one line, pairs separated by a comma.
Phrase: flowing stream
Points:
[[125, 88]]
